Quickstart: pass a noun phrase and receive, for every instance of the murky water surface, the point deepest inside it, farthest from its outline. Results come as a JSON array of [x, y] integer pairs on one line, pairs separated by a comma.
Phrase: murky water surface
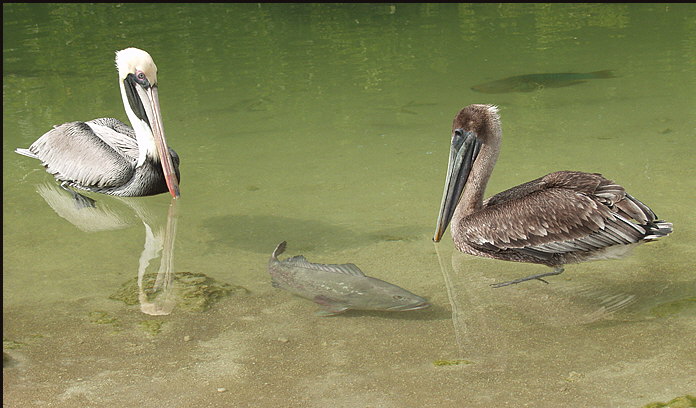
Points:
[[328, 126]]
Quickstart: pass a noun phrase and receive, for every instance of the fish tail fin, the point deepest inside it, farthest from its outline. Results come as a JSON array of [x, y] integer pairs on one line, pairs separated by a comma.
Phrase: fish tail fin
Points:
[[607, 73], [279, 249]]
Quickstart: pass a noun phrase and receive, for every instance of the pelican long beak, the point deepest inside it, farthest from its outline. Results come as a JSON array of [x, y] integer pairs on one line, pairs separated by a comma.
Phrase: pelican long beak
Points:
[[463, 151], [161, 142], [143, 108]]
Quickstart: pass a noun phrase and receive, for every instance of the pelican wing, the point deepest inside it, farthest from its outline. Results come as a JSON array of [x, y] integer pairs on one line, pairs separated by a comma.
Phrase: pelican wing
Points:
[[101, 153], [558, 213], [117, 134]]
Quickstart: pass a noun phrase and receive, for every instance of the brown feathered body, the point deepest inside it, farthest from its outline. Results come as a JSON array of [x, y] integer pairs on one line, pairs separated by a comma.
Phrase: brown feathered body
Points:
[[563, 217]]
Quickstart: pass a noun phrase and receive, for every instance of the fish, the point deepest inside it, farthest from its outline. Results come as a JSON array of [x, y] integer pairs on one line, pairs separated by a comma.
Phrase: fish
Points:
[[337, 288], [532, 82]]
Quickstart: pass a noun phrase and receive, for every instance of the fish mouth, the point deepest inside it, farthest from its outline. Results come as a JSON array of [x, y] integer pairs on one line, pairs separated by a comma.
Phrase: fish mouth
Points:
[[404, 308], [463, 151]]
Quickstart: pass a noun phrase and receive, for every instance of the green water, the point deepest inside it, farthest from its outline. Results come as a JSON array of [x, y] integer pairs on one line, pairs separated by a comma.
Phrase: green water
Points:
[[328, 125]]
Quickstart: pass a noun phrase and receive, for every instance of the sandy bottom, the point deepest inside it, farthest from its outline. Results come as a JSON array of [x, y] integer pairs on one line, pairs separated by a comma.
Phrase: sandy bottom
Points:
[[579, 341]]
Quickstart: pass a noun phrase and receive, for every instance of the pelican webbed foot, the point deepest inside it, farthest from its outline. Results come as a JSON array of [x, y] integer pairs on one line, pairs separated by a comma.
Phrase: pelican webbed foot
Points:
[[556, 271]]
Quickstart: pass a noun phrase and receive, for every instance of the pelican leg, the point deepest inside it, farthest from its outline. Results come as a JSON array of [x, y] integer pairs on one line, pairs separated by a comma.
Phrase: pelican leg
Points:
[[556, 271], [80, 200]]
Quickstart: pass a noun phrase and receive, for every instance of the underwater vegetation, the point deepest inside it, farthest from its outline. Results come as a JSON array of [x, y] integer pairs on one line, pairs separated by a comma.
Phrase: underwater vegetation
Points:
[[194, 292]]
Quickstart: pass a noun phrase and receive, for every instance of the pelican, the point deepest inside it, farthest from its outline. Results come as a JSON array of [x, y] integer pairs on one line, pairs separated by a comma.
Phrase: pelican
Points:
[[107, 156], [563, 217]]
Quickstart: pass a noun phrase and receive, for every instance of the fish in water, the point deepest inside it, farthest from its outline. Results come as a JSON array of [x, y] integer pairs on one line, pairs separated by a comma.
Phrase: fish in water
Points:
[[337, 288], [532, 82]]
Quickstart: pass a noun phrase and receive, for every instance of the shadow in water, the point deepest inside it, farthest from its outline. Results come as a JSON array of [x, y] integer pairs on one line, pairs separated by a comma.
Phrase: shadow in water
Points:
[[113, 213], [432, 313], [261, 233]]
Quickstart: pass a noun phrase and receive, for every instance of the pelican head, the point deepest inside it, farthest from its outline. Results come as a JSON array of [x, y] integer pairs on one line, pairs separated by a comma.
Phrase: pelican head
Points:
[[476, 128], [137, 75]]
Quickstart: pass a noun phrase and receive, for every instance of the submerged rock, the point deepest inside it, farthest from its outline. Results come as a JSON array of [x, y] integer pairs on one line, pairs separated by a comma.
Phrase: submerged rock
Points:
[[151, 327], [686, 401], [191, 291]]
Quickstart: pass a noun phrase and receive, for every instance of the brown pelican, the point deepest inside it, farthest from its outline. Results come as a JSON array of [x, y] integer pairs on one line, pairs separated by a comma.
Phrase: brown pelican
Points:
[[563, 217], [107, 156]]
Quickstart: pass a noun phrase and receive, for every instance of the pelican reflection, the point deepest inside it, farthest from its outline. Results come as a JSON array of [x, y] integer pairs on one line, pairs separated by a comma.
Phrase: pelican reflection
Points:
[[113, 213]]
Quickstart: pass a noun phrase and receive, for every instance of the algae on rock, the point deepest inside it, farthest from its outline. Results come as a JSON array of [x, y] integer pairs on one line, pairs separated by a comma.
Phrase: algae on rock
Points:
[[686, 401], [151, 327], [192, 291]]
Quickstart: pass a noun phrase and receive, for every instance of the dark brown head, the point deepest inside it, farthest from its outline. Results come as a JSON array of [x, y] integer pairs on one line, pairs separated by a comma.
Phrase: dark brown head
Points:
[[476, 134], [483, 120]]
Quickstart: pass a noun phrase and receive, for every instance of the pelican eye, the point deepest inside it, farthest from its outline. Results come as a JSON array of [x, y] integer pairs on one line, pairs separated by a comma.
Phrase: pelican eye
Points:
[[458, 132], [141, 79]]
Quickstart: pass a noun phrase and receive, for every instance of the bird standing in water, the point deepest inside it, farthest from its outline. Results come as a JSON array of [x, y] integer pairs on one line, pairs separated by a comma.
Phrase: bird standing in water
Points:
[[107, 156], [563, 217]]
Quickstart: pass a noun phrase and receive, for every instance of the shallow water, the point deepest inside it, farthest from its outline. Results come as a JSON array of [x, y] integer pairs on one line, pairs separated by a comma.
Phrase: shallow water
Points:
[[327, 125]]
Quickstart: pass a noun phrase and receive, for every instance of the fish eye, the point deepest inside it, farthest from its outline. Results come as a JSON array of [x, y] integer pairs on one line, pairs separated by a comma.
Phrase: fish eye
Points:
[[398, 297]]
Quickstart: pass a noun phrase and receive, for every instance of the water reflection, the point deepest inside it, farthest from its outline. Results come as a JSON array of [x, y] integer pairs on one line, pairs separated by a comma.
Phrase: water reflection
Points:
[[164, 302], [113, 213]]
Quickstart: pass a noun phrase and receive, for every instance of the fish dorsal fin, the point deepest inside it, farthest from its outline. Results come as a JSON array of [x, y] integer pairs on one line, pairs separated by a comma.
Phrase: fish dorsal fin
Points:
[[346, 269]]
